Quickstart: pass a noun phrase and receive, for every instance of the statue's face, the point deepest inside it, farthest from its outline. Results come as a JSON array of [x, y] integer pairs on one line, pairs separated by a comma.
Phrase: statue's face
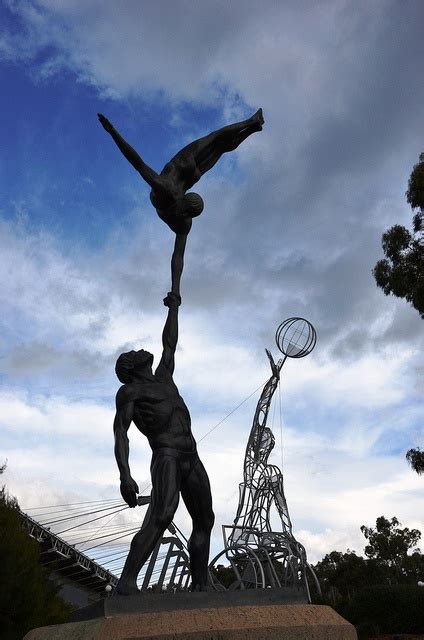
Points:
[[132, 363], [142, 359]]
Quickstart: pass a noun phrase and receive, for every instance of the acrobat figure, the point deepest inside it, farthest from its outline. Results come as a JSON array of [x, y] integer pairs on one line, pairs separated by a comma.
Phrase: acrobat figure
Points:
[[263, 482], [169, 194], [153, 403]]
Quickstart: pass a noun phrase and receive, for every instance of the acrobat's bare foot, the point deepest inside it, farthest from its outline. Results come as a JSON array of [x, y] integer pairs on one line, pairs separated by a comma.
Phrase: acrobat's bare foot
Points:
[[259, 117], [126, 590]]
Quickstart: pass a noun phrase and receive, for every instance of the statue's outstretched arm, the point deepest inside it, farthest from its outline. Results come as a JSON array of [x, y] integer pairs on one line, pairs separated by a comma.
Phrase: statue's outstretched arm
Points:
[[173, 301], [169, 335], [275, 368], [146, 172], [262, 409], [177, 262]]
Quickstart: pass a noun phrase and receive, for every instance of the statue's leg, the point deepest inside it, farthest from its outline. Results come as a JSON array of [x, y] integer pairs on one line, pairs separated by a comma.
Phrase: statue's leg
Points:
[[164, 502], [229, 130], [196, 493], [205, 152], [209, 149]]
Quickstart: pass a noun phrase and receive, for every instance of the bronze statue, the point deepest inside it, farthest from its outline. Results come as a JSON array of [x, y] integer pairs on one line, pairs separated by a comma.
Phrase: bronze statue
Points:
[[169, 194], [153, 403], [152, 400]]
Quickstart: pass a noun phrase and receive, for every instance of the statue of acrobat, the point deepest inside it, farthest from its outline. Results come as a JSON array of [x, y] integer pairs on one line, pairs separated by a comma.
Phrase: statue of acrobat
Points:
[[152, 400], [169, 188]]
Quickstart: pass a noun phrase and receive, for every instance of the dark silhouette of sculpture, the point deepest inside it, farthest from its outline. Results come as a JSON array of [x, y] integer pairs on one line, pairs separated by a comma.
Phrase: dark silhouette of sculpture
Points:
[[151, 400], [169, 194], [153, 403]]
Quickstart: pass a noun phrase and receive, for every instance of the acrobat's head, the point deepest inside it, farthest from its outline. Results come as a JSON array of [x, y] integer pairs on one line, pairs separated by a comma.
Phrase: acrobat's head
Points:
[[192, 205], [133, 365]]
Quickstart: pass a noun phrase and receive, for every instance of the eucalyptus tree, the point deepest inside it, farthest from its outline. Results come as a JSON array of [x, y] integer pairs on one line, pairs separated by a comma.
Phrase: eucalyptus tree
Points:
[[401, 272]]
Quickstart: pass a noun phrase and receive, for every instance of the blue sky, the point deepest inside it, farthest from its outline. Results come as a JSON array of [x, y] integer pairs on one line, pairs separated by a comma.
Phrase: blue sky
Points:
[[292, 226]]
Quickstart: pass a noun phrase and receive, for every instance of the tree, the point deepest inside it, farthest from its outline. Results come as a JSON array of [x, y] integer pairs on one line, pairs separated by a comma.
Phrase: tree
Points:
[[378, 593], [415, 457], [393, 548], [27, 597], [343, 574], [392, 557], [401, 272]]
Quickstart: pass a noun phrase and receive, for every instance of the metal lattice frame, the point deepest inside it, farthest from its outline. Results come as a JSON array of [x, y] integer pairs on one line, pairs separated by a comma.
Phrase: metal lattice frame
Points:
[[259, 556], [168, 566]]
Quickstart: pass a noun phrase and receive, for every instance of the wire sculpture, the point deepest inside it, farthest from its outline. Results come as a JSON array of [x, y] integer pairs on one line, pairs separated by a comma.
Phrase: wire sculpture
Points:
[[259, 556]]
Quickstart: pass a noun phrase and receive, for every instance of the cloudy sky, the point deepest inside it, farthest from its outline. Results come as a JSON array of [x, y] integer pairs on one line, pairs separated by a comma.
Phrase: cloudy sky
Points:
[[291, 227]]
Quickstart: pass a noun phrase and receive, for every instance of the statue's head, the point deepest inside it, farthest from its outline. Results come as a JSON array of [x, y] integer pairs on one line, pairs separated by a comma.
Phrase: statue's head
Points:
[[132, 365], [192, 204]]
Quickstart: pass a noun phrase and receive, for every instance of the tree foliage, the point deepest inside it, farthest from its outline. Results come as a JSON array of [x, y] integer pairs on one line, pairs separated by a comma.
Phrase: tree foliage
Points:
[[415, 457], [360, 588], [342, 574], [27, 597], [386, 609], [401, 272], [388, 542]]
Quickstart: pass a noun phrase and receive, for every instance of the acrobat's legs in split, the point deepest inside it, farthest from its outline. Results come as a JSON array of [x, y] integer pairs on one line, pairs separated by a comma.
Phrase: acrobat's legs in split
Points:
[[206, 151]]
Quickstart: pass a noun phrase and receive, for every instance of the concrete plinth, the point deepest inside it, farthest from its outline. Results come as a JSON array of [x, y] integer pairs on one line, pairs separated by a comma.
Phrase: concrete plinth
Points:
[[264, 622]]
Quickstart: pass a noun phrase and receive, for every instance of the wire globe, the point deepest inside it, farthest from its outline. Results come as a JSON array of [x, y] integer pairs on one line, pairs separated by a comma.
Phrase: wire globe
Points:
[[295, 337]]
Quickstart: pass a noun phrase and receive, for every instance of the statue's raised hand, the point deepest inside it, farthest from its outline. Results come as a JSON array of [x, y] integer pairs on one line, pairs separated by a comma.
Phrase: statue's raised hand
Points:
[[274, 368], [105, 123]]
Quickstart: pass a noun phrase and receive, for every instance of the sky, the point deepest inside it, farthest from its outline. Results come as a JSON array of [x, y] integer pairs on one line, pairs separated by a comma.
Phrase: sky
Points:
[[292, 226]]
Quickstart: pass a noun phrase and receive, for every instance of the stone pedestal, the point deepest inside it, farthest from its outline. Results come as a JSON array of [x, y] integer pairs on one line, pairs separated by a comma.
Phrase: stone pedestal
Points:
[[226, 616]]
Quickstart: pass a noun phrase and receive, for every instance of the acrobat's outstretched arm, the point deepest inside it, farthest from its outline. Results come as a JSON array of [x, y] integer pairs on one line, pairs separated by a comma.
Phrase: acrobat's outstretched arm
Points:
[[172, 301], [177, 262], [146, 172]]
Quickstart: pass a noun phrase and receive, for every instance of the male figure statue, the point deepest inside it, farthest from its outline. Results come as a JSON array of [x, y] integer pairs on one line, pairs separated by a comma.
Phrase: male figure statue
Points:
[[153, 403]]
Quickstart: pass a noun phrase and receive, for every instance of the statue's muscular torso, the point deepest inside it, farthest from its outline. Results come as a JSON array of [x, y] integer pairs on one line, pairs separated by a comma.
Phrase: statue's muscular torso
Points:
[[170, 425]]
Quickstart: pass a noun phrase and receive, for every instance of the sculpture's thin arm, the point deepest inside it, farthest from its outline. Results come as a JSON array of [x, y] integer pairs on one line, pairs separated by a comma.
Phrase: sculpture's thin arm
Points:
[[177, 262], [262, 410], [173, 301], [146, 172]]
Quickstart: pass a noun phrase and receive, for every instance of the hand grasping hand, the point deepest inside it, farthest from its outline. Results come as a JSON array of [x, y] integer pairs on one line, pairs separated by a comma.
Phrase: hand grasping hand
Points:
[[172, 300]]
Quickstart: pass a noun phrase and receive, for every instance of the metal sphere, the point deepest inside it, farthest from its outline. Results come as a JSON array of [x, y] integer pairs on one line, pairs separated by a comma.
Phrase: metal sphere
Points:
[[295, 337]]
